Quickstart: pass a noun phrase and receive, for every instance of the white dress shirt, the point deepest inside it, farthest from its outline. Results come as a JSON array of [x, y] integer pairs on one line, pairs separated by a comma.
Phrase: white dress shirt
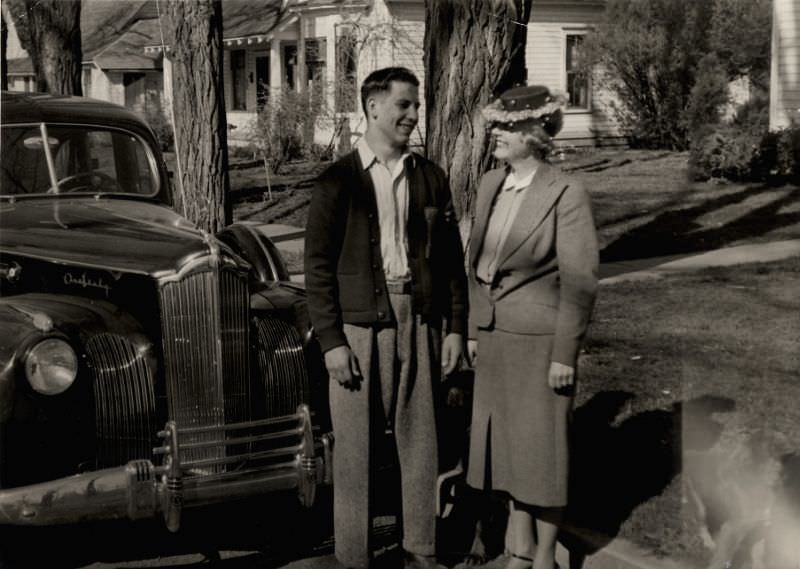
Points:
[[391, 193], [504, 211]]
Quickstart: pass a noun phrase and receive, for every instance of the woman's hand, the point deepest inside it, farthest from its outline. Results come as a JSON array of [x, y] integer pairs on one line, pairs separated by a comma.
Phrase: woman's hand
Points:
[[472, 352], [560, 375], [452, 348]]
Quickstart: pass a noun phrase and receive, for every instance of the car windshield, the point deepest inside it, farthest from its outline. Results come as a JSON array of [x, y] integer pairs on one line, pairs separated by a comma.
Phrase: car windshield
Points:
[[75, 159]]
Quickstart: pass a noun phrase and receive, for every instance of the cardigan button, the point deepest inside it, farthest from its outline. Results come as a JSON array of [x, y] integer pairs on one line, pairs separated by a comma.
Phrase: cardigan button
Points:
[[378, 291], [381, 315]]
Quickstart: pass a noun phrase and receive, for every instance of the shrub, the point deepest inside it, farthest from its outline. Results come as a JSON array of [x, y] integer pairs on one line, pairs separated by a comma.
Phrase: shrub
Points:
[[284, 127], [779, 155], [725, 151], [707, 96], [742, 152], [753, 115]]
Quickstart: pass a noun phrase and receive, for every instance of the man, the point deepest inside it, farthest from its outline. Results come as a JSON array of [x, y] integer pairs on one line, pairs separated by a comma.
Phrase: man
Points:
[[384, 272]]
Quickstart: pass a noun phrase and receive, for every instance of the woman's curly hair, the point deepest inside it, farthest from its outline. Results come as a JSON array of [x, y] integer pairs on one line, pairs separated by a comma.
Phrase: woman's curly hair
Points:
[[538, 135]]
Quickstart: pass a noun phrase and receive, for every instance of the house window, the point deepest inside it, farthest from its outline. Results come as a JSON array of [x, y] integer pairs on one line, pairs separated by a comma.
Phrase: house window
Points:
[[134, 84], [289, 64], [238, 80], [346, 94], [315, 64], [577, 79]]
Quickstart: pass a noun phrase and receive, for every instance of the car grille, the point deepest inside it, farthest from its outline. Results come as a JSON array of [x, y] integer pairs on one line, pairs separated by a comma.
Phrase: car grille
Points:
[[222, 406], [282, 367], [205, 330], [124, 399]]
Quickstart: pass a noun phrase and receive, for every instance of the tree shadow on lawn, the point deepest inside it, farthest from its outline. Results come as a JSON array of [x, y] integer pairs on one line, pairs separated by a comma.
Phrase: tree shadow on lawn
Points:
[[618, 466], [678, 231]]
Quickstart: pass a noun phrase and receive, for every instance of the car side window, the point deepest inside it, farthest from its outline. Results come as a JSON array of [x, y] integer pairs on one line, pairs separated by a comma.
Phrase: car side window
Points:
[[85, 159]]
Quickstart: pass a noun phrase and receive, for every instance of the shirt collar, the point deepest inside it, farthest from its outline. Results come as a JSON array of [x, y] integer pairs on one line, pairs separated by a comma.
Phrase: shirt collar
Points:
[[512, 182], [368, 157]]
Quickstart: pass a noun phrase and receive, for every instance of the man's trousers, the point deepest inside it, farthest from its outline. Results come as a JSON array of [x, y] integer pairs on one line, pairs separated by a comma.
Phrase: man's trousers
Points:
[[400, 366]]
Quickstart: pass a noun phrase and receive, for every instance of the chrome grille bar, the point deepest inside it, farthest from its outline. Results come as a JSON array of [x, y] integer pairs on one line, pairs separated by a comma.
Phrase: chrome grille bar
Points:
[[124, 399], [205, 331], [253, 456]]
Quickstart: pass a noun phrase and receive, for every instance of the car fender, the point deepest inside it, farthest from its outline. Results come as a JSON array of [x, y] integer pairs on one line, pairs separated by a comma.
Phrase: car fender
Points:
[[29, 318], [252, 243]]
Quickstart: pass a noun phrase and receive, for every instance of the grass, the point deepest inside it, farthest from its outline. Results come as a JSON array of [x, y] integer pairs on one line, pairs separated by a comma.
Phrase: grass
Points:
[[643, 203], [701, 360]]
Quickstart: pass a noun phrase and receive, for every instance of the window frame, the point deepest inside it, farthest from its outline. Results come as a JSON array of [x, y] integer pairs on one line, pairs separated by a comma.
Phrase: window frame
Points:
[[565, 71], [234, 89]]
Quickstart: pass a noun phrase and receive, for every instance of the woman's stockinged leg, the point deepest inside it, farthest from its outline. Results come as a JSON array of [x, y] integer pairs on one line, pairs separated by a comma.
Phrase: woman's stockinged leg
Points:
[[520, 540], [547, 521]]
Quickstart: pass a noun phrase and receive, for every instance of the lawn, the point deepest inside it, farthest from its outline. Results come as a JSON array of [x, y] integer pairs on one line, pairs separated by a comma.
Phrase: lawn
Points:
[[704, 362], [643, 203], [697, 364]]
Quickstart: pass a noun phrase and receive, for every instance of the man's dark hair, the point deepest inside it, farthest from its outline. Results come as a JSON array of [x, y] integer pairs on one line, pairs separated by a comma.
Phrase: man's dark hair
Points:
[[380, 81]]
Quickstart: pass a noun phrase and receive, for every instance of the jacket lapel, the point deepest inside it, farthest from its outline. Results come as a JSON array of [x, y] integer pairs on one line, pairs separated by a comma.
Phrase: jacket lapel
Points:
[[487, 191], [539, 198]]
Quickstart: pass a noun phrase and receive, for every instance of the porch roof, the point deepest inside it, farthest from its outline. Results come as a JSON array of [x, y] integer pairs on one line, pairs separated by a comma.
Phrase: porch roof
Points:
[[127, 51]]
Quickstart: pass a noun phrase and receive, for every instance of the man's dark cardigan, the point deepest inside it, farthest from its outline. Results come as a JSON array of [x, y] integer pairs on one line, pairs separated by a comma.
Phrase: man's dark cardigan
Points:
[[343, 264]]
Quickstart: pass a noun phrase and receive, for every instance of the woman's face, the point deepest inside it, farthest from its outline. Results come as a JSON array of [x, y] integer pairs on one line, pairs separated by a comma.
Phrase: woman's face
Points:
[[509, 142]]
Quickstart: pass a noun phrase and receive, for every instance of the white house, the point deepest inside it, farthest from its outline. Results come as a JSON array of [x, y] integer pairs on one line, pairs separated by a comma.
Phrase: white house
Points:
[[327, 45]]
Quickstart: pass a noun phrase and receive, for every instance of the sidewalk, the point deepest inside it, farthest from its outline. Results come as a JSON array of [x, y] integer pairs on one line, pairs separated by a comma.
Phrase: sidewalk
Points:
[[640, 269]]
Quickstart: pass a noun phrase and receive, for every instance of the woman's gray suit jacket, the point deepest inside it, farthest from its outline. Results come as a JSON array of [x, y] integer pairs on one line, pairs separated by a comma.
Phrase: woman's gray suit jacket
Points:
[[546, 277]]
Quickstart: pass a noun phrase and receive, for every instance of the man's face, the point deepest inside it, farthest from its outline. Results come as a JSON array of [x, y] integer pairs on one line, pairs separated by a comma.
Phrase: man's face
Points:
[[394, 114]]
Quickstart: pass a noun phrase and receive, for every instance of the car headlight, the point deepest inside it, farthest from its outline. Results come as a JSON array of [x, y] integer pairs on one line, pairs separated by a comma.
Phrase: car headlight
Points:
[[51, 366]]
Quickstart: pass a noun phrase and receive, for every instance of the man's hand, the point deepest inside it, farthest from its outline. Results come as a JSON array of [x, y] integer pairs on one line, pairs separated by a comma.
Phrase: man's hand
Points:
[[452, 348], [342, 366], [472, 352], [560, 375]]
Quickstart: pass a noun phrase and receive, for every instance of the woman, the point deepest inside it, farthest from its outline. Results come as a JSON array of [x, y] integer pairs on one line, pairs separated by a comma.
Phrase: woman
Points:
[[533, 279]]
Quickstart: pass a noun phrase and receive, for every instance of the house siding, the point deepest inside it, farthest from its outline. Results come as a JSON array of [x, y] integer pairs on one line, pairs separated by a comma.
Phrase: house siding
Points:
[[785, 75], [545, 57]]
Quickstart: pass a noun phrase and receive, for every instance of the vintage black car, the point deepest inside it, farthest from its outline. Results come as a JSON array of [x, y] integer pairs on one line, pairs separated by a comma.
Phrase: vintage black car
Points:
[[145, 366]]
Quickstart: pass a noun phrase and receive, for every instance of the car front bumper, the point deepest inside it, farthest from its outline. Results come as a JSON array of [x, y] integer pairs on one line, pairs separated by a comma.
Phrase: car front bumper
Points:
[[141, 489]]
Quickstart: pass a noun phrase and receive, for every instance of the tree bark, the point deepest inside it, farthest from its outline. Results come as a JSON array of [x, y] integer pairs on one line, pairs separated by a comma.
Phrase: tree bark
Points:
[[474, 50], [50, 31], [201, 129]]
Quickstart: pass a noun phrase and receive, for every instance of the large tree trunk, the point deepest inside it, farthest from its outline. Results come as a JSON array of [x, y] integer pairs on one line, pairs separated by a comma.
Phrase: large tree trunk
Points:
[[50, 31], [201, 141], [474, 50]]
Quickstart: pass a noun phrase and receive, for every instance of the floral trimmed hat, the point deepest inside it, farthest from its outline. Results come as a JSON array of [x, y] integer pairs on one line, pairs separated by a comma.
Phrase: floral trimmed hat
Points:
[[528, 103]]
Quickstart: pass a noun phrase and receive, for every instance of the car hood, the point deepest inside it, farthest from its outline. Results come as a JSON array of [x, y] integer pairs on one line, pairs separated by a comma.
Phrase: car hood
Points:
[[113, 234]]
